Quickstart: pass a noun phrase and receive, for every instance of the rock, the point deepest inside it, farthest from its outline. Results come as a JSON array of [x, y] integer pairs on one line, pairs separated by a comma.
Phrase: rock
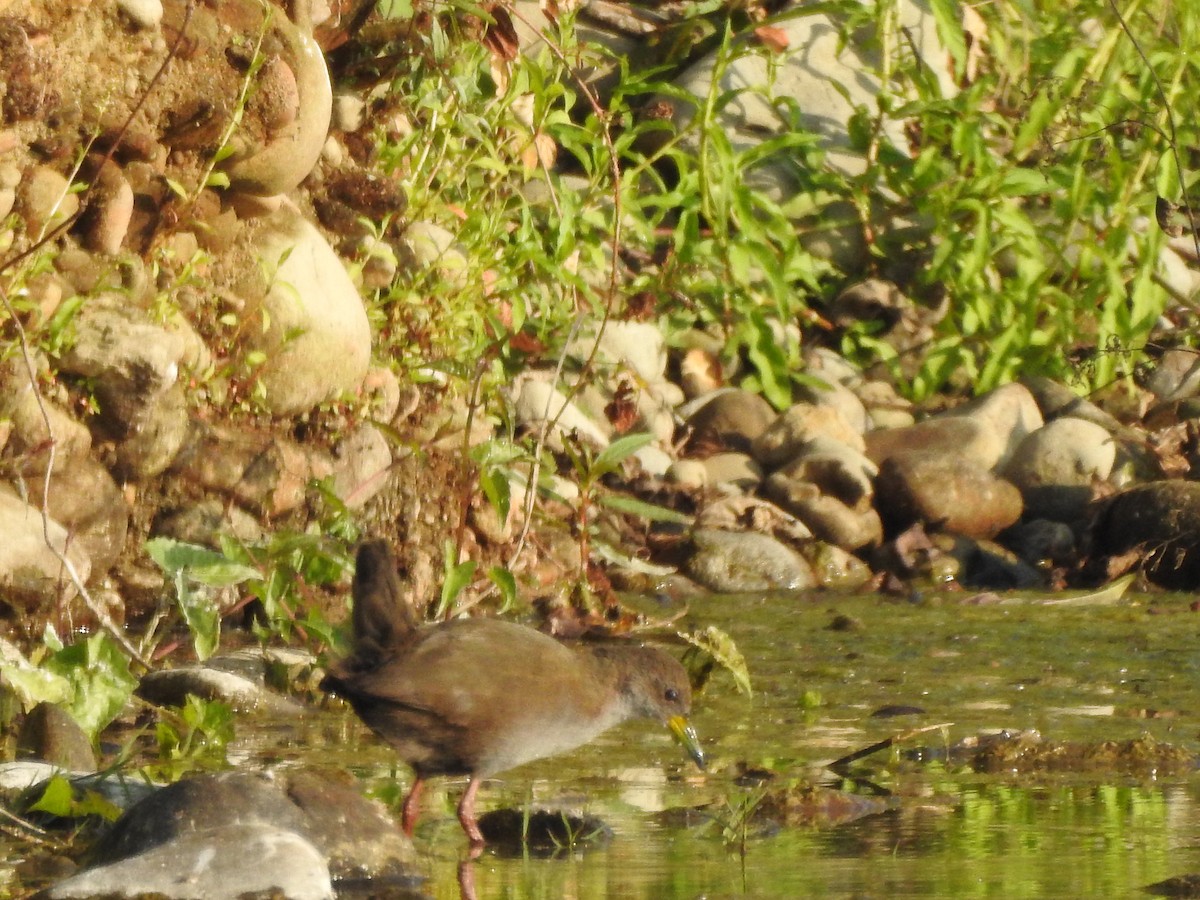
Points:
[[35, 424], [829, 75], [1056, 400], [45, 200], [130, 359], [849, 526], [203, 522], [786, 437], [348, 111], [1161, 521], [965, 437], [838, 397], [739, 562], [85, 500], [31, 575], [171, 687], [688, 473], [947, 490], [838, 470], [143, 13], [837, 569], [362, 462], [736, 469], [155, 437], [653, 460], [1057, 467], [355, 837], [222, 863], [264, 474], [289, 153], [432, 246], [49, 733], [537, 401], [318, 343], [110, 210], [730, 418], [742, 512], [637, 345], [1010, 412]]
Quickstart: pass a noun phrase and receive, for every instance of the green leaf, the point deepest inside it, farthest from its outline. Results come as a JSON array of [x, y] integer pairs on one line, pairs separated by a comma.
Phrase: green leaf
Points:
[[458, 576], [504, 579], [947, 14], [102, 684], [720, 646], [608, 459], [58, 798], [650, 511], [201, 564]]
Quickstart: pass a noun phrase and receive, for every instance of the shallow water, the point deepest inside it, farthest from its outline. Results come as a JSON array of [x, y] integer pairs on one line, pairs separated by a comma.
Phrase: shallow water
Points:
[[1080, 674]]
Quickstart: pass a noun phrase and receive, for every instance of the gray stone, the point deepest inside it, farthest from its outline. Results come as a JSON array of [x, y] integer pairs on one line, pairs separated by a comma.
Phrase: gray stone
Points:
[[1057, 466], [49, 733], [85, 500], [688, 473], [963, 436], [739, 562], [171, 687], [155, 437], [838, 470], [143, 13], [45, 200], [227, 862], [130, 359], [637, 345]]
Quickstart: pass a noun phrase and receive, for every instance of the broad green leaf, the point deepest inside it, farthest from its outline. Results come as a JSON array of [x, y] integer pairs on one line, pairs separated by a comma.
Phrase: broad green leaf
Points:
[[608, 459], [721, 647], [201, 564]]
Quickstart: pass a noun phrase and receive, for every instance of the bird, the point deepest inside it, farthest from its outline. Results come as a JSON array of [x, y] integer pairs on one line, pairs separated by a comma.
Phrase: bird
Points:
[[480, 696]]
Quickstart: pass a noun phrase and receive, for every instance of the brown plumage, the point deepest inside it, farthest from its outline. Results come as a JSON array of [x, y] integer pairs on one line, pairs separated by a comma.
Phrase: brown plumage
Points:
[[479, 696]]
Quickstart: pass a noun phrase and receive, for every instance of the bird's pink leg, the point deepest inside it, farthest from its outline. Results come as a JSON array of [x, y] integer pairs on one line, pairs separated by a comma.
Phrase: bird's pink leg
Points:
[[411, 808], [466, 816]]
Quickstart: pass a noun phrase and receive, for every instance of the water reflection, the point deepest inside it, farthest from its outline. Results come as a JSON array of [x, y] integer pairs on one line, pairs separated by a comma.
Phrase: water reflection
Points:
[[1073, 675]]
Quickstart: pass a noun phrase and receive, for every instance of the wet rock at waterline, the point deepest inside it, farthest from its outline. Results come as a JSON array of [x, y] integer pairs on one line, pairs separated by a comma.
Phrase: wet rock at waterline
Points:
[[737, 562], [225, 863], [49, 733], [1154, 526], [191, 831]]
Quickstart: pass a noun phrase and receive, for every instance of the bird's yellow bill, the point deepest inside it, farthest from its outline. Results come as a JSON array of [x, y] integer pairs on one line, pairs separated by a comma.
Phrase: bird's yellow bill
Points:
[[686, 735]]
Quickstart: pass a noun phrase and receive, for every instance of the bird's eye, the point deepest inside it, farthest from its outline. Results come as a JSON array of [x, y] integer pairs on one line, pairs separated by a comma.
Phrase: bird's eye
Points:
[[671, 695]]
